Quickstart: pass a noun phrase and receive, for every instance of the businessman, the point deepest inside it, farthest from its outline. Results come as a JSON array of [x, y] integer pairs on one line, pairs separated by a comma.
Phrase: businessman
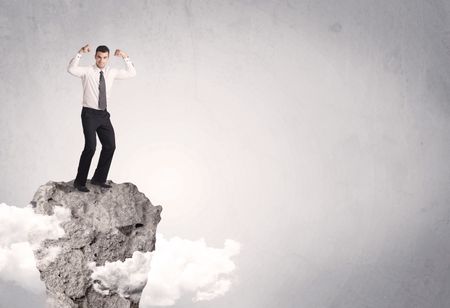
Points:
[[97, 81]]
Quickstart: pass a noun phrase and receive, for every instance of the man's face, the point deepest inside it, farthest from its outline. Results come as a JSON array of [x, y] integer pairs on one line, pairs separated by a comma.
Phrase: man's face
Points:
[[101, 58]]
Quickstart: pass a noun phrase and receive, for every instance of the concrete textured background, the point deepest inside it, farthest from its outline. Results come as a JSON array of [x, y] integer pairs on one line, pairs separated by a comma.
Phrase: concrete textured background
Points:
[[315, 133]]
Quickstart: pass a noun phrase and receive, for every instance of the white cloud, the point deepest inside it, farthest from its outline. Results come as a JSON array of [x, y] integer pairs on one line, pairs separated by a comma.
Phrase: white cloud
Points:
[[183, 266], [126, 278], [21, 230], [17, 265], [176, 267], [22, 224]]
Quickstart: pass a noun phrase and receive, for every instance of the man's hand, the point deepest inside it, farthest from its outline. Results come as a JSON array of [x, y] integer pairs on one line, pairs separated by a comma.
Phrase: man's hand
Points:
[[121, 53], [85, 49]]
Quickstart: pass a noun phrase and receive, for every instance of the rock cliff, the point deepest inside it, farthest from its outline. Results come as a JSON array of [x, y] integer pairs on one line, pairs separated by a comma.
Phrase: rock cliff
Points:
[[105, 225]]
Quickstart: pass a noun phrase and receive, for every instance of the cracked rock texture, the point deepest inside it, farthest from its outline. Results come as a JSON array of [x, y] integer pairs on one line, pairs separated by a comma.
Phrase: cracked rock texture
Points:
[[105, 225]]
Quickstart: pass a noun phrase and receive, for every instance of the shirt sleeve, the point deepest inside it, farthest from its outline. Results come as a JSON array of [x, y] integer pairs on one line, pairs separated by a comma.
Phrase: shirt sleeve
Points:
[[73, 67], [129, 72]]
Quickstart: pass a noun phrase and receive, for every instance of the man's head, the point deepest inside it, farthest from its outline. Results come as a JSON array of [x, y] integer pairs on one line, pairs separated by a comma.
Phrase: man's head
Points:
[[101, 56]]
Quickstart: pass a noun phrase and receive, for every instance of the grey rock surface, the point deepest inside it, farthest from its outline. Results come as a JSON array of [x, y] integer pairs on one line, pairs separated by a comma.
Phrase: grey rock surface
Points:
[[105, 225]]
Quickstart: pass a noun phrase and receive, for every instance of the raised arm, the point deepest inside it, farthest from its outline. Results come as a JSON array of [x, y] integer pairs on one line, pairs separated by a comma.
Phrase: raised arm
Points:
[[130, 71], [73, 67]]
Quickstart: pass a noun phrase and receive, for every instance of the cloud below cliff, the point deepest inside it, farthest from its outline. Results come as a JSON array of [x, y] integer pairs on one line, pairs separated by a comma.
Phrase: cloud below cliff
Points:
[[177, 266], [182, 266], [21, 230]]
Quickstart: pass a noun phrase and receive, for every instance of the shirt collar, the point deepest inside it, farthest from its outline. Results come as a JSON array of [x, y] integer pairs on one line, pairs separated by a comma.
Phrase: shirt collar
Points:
[[97, 69]]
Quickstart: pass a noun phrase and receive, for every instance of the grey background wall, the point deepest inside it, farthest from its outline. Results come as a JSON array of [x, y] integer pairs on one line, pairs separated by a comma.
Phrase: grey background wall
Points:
[[315, 133]]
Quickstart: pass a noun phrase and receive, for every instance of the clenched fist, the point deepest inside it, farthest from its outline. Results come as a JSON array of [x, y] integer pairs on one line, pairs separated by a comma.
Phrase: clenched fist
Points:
[[119, 53], [85, 49]]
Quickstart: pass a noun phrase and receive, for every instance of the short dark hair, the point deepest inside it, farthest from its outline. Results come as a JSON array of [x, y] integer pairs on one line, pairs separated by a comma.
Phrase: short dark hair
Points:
[[102, 48]]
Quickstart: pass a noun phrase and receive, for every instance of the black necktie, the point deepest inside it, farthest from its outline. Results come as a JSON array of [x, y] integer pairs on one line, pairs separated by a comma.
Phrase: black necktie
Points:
[[102, 93]]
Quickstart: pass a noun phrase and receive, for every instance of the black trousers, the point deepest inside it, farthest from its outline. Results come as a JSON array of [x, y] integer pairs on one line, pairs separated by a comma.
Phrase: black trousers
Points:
[[96, 121]]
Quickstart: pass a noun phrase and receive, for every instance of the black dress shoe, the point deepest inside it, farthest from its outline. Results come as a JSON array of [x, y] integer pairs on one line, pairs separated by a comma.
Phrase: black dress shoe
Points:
[[104, 185], [82, 188]]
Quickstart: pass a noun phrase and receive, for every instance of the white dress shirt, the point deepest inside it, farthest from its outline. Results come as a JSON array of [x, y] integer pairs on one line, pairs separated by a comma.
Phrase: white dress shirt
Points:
[[90, 78]]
